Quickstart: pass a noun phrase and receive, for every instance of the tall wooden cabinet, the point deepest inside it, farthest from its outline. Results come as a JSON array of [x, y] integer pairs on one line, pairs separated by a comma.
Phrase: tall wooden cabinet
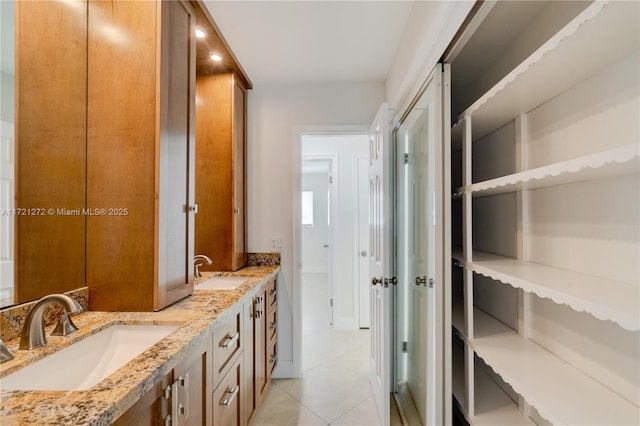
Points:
[[220, 171], [50, 148], [140, 154], [546, 232]]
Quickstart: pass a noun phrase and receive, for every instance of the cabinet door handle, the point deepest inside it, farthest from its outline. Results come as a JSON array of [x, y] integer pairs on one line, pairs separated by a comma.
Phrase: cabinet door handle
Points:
[[273, 292], [183, 406], [233, 393], [236, 211], [273, 359], [174, 403], [229, 341], [273, 325]]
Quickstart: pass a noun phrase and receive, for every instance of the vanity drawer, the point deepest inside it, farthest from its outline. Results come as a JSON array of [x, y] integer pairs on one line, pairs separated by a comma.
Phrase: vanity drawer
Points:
[[227, 344], [272, 293], [228, 397]]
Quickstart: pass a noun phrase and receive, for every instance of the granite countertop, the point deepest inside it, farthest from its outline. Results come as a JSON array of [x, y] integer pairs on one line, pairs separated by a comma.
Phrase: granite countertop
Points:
[[198, 315]]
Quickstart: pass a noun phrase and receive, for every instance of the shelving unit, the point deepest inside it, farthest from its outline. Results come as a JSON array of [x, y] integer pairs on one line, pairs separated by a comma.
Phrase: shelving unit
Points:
[[562, 209]]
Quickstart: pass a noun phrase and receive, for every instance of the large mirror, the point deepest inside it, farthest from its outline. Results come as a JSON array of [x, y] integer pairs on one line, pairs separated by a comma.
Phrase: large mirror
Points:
[[43, 153]]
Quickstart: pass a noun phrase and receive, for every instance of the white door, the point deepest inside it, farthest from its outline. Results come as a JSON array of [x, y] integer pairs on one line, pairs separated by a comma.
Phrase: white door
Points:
[[7, 219], [420, 265], [380, 262], [362, 224]]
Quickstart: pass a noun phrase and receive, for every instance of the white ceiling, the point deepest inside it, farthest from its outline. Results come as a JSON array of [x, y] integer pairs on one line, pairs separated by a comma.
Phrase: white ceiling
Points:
[[312, 41]]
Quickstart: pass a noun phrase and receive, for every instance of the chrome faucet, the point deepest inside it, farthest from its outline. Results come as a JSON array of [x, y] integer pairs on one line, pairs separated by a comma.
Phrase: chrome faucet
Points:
[[198, 260], [32, 335]]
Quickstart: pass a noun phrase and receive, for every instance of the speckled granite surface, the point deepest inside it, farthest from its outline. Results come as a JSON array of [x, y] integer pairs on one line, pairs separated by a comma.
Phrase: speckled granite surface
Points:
[[12, 318], [198, 315], [263, 259]]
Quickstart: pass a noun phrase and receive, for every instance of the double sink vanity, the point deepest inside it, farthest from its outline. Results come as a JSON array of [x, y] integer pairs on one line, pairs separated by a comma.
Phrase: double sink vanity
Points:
[[206, 359]]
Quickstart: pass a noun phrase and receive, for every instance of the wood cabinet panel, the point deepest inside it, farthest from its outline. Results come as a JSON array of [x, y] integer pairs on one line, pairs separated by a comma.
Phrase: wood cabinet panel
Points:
[[228, 398], [192, 387], [50, 146], [248, 391], [227, 344], [152, 409], [220, 171], [139, 148]]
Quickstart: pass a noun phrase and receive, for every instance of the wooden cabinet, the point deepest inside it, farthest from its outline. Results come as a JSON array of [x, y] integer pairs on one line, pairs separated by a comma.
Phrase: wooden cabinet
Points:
[[260, 342], [220, 171], [222, 381], [249, 389], [140, 154], [181, 397], [272, 328], [260, 353], [50, 148], [545, 284]]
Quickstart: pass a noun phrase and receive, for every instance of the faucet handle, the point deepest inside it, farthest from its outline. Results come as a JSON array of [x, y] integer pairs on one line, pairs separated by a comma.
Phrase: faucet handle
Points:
[[65, 326]]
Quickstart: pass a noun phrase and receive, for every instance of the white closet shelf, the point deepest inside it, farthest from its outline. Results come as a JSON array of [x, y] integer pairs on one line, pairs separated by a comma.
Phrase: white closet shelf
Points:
[[600, 35], [561, 393], [604, 299], [492, 405], [613, 162]]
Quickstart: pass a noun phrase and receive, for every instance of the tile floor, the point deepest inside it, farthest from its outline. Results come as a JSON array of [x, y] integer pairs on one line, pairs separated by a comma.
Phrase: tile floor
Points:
[[334, 388]]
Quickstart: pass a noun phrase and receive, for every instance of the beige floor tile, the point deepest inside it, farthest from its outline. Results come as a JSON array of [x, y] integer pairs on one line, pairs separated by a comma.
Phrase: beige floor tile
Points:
[[363, 414], [280, 409], [329, 390]]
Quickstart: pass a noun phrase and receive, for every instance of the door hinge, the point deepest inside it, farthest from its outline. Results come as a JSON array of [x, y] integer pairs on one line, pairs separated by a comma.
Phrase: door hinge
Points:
[[406, 158], [330, 179], [331, 302], [404, 347]]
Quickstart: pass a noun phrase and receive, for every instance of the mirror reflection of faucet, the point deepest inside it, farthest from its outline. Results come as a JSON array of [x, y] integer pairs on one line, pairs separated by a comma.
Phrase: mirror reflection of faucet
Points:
[[33, 336], [200, 259], [5, 354]]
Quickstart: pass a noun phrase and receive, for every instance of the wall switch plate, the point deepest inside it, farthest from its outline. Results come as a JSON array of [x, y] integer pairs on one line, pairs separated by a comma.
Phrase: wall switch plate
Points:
[[277, 243]]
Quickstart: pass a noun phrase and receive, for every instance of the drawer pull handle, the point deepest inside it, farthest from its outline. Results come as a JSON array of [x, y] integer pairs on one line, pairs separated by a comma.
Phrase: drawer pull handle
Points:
[[229, 341], [273, 359], [234, 393], [273, 292], [273, 325]]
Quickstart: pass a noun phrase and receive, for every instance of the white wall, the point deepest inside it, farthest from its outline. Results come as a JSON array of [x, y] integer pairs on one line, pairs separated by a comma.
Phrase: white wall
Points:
[[7, 94], [314, 254], [345, 244], [276, 112], [430, 29]]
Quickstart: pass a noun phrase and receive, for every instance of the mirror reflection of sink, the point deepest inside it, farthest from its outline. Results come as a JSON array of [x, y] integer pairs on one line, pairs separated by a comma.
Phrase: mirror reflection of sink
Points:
[[89, 361], [221, 283]]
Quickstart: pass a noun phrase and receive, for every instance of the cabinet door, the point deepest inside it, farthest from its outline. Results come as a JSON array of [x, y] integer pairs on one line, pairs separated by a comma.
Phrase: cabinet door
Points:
[[176, 157], [260, 350], [152, 409], [239, 196], [248, 391], [192, 386]]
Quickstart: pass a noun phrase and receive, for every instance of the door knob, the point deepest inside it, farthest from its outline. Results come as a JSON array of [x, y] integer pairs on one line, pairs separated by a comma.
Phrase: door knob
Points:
[[422, 280], [363, 253], [375, 280], [326, 246]]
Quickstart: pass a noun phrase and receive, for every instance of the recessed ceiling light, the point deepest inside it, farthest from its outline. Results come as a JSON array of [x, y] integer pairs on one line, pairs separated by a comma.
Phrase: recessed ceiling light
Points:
[[216, 57], [200, 33]]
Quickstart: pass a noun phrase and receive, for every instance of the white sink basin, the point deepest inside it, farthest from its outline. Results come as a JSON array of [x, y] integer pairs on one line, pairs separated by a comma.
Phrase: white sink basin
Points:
[[221, 283], [87, 362]]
